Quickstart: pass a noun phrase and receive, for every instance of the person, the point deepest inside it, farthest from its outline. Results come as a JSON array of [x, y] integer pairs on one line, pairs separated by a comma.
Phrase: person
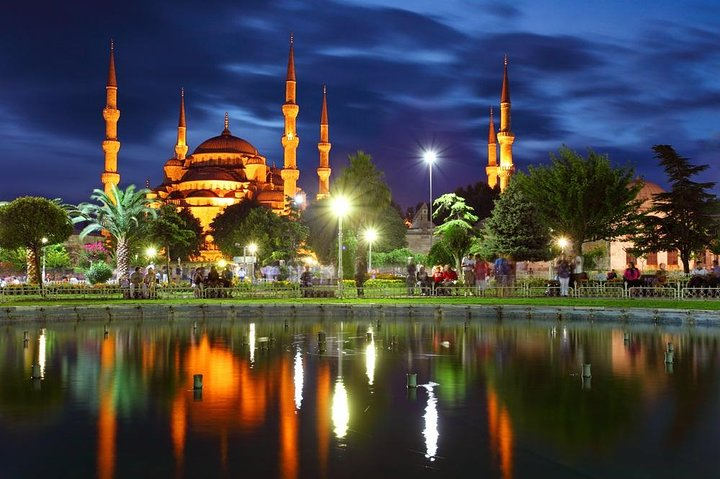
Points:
[[468, 271], [450, 278], [136, 280], [482, 271], [125, 285], [501, 270], [360, 272], [149, 283], [213, 280], [661, 276], [612, 275], [241, 275], [423, 281], [411, 276], [306, 281], [715, 274], [632, 275], [437, 278], [199, 282], [563, 274], [699, 269], [227, 276]]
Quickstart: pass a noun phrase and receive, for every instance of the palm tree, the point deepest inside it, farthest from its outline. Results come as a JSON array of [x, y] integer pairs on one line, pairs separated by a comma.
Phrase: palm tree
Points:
[[118, 214]]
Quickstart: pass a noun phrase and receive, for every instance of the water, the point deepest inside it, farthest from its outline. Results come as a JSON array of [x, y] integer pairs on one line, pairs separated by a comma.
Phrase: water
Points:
[[494, 400]]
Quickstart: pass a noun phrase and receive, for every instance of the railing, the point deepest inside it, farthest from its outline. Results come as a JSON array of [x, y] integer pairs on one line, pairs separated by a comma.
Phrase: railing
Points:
[[291, 291]]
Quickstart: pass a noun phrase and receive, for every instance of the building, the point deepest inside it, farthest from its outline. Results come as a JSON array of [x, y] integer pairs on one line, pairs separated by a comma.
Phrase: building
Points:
[[505, 137], [224, 170]]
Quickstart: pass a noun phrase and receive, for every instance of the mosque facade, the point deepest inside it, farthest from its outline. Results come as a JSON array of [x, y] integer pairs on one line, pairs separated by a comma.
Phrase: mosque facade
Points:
[[226, 169]]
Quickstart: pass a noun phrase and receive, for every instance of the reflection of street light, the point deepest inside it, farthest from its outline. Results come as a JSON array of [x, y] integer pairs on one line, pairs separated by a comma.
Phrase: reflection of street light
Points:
[[430, 156], [44, 243], [341, 208], [370, 237]]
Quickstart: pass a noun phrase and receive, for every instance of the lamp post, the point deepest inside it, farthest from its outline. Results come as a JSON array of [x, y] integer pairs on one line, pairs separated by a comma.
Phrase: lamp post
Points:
[[44, 243], [370, 237], [429, 156], [252, 248], [341, 208]]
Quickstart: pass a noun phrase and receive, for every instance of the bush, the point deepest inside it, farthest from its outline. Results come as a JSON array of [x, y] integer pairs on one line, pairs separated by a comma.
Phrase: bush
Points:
[[98, 273]]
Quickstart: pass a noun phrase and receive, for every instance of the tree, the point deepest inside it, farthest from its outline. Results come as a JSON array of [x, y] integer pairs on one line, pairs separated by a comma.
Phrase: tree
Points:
[[457, 231], [684, 218], [171, 231], [277, 237], [118, 214], [26, 221], [586, 199], [514, 229]]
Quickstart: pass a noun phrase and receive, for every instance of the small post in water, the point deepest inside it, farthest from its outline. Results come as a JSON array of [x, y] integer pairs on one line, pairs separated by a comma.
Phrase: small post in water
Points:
[[197, 381], [586, 371], [411, 380]]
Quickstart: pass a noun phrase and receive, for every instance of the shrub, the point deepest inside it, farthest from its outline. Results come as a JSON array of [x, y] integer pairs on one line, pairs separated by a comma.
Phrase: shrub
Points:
[[98, 273]]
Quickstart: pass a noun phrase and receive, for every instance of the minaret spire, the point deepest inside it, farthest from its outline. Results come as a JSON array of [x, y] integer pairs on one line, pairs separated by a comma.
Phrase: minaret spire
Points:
[[505, 135], [290, 140], [111, 115], [181, 147], [492, 169], [324, 146]]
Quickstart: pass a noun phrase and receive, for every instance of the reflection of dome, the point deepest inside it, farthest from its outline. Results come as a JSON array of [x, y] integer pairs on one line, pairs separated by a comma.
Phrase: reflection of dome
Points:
[[646, 192], [209, 173], [226, 143]]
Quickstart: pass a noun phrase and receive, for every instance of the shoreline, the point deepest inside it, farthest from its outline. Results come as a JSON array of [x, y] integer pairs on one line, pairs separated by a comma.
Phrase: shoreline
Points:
[[346, 310]]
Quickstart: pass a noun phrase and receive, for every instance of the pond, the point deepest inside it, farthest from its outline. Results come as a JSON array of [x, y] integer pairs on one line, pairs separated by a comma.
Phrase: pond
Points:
[[494, 399]]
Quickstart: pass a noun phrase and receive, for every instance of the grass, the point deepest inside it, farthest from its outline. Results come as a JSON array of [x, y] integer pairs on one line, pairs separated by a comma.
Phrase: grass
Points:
[[646, 303]]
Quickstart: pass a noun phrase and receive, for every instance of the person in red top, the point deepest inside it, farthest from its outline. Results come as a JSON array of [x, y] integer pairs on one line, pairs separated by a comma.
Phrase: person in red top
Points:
[[482, 271], [450, 278], [437, 278], [632, 275]]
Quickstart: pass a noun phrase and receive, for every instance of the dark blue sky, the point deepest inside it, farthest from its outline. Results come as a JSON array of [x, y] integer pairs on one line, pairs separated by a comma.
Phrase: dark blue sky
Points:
[[615, 76]]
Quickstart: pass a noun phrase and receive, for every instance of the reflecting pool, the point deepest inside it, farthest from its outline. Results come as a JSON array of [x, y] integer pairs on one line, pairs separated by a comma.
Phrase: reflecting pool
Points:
[[329, 399]]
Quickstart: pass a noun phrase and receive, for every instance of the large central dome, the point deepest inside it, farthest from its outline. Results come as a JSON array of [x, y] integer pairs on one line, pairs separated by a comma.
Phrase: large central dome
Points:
[[226, 143]]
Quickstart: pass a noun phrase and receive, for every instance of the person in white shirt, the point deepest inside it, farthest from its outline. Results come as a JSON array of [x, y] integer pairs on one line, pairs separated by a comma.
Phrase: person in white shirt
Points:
[[698, 270]]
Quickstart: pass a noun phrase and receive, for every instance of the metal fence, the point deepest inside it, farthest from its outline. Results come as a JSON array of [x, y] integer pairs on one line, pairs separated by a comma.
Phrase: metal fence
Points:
[[284, 291]]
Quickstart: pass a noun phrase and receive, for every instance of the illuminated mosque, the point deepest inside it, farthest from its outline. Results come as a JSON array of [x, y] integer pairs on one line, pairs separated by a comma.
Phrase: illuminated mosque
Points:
[[224, 170]]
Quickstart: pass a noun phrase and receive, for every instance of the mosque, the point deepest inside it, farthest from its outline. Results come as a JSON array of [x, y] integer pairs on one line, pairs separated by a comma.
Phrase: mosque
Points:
[[224, 170]]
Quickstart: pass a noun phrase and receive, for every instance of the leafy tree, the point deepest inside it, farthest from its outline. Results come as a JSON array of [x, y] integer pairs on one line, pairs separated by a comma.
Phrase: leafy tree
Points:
[[277, 237], [24, 223], [171, 231], [457, 231], [586, 199], [514, 229], [56, 256], [119, 214], [224, 225], [684, 218], [397, 257], [322, 226], [15, 258], [98, 273]]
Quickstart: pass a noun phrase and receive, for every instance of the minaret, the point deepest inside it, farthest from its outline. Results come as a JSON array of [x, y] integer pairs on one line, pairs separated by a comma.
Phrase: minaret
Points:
[[324, 146], [290, 140], [111, 114], [181, 147], [492, 168], [505, 135]]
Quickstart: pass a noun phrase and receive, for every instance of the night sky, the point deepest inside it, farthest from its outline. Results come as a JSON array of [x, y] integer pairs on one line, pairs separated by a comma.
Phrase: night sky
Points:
[[614, 76]]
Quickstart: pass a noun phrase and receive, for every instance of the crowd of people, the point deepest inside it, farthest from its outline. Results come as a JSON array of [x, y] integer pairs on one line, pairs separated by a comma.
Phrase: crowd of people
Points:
[[442, 279]]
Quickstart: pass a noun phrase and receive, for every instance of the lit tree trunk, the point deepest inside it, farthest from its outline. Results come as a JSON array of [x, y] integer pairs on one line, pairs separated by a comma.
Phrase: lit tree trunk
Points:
[[123, 257], [33, 267], [167, 260]]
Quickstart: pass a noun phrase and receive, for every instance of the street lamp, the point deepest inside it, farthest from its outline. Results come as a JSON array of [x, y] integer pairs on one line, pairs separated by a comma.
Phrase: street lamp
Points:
[[370, 237], [151, 252], [430, 156], [252, 248], [341, 207], [44, 243], [562, 242]]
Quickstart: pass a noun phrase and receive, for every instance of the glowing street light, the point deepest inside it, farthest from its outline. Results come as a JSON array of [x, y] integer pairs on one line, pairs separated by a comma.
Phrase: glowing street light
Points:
[[562, 242], [151, 252], [430, 156], [252, 248], [370, 237], [44, 242], [341, 207]]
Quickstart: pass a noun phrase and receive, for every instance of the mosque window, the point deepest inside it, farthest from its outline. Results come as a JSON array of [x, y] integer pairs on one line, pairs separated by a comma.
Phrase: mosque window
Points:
[[672, 258], [652, 259]]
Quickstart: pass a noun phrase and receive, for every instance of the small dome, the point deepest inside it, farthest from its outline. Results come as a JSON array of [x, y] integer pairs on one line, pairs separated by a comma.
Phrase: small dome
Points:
[[226, 143], [271, 195], [174, 162], [646, 193]]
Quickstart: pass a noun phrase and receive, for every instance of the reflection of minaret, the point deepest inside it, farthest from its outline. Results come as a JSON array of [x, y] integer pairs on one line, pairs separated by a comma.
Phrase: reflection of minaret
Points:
[[492, 168], [324, 146], [111, 114], [500, 432], [505, 135], [290, 140], [181, 147], [107, 424], [289, 456]]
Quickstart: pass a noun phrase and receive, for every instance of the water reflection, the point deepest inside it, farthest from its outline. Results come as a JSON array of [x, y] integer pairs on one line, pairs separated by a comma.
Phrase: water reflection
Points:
[[284, 410], [431, 423]]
